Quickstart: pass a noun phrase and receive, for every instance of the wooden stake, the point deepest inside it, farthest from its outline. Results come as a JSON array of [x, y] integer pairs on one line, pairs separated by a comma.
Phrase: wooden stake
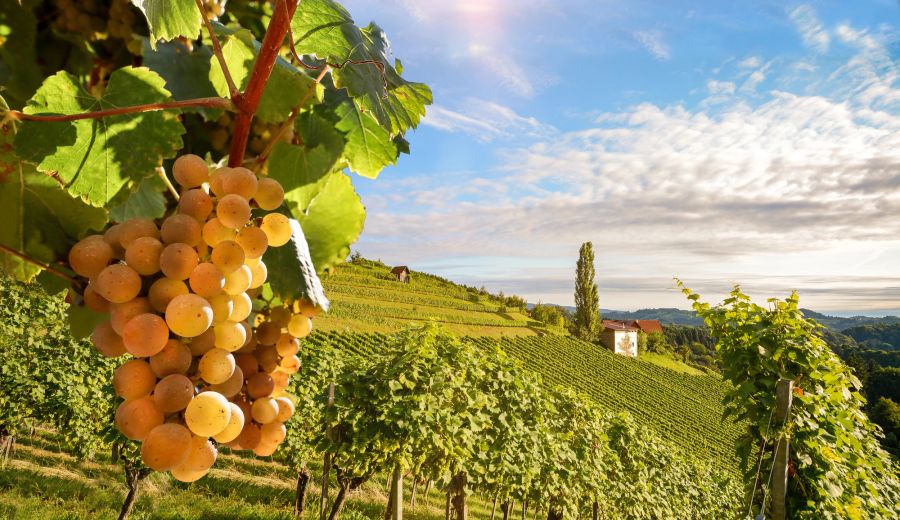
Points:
[[783, 394]]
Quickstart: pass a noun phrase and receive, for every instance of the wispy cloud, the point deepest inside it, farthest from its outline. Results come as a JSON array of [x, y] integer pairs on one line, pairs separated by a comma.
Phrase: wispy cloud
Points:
[[811, 29], [653, 42], [504, 68], [486, 121]]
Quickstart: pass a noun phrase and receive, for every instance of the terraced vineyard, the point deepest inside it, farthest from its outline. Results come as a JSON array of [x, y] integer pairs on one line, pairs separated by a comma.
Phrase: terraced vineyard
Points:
[[366, 297], [684, 408]]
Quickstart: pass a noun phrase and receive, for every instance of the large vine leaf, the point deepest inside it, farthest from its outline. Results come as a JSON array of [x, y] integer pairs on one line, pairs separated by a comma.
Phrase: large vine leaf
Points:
[[325, 29], [95, 158], [369, 147], [147, 201], [292, 273], [186, 71], [287, 85], [19, 72], [333, 221], [301, 170], [170, 19]]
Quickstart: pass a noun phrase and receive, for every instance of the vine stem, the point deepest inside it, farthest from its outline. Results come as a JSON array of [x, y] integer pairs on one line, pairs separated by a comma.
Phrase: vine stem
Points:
[[210, 102], [290, 121], [265, 62], [38, 263], [220, 56], [162, 174]]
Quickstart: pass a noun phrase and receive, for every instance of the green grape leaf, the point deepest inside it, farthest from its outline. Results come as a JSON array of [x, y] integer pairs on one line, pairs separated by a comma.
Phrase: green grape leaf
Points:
[[362, 66], [369, 147], [147, 201], [300, 170], [95, 158], [292, 274], [170, 19], [186, 72], [19, 71], [286, 88], [333, 221], [43, 220], [83, 320]]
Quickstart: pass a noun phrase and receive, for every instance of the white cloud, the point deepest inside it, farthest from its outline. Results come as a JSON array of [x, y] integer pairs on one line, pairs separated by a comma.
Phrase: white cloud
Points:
[[807, 22], [750, 63], [486, 121], [508, 73], [720, 87], [653, 42]]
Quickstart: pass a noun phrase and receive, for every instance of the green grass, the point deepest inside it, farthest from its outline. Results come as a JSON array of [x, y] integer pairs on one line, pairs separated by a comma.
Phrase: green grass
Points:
[[671, 364]]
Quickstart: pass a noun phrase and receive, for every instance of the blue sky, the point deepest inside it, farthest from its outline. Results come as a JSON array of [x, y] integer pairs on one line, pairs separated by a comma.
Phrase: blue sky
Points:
[[746, 142]]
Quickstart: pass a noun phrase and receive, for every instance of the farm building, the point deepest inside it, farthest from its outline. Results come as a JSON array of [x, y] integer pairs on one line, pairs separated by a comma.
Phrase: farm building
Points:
[[620, 337], [401, 272], [646, 326]]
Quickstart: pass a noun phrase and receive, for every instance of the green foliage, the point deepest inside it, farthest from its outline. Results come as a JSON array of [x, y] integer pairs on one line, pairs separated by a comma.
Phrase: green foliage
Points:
[[292, 274], [879, 336], [886, 413], [839, 469], [549, 314], [170, 19], [587, 304]]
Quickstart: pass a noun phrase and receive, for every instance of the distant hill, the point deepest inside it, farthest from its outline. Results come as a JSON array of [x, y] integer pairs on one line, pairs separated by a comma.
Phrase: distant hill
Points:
[[877, 336], [667, 316], [840, 323]]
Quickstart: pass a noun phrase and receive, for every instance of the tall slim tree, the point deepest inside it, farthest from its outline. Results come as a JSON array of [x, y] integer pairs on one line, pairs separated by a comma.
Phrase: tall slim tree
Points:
[[587, 302]]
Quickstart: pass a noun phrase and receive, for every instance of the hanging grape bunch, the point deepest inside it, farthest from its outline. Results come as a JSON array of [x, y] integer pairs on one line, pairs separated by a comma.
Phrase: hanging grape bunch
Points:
[[179, 300]]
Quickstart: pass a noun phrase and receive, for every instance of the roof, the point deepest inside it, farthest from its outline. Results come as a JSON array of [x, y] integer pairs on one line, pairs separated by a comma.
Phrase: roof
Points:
[[618, 325], [399, 269], [648, 326]]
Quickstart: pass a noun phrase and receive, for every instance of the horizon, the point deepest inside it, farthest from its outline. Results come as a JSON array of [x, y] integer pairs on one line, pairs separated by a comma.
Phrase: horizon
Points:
[[753, 143]]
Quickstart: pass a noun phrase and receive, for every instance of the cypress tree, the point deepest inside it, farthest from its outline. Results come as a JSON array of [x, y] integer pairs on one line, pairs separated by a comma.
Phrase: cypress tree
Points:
[[587, 302]]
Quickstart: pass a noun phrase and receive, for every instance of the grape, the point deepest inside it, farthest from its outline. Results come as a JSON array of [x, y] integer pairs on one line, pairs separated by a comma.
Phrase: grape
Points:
[[145, 335], [216, 180], [235, 425], [269, 194], [250, 344], [181, 229], [222, 306], [273, 433], [94, 301], [195, 203], [173, 393], [267, 333], [286, 409], [190, 171], [206, 280], [166, 446], [230, 336], [241, 307], [289, 364], [306, 308], [178, 260], [174, 358], [260, 385], [233, 211], [136, 228], [143, 255], [214, 232], [258, 274], [247, 363], [118, 283], [299, 326], [163, 291], [135, 418], [106, 341], [232, 386], [277, 228], [228, 256], [280, 316], [280, 381], [208, 414], [287, 345], [189, 315], [133, 379], [121, 313], [203, 343], [250, 435], [216, 366], [113, 237], [90, 256], [240, 181], [267, 357], [253, 240], [201, 456], [238, 281]]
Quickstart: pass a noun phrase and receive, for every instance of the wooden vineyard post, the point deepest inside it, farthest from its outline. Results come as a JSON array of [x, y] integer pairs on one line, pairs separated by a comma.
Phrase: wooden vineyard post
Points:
[[783, 393], [396, 497], [326, 466]]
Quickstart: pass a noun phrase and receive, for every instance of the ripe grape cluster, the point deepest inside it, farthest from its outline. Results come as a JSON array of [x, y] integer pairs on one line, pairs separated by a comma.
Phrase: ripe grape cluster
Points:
[[180, 302], [96, 19], [261, 134]]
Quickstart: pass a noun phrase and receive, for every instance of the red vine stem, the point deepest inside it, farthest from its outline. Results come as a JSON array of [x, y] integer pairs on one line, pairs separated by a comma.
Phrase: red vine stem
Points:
[[217, 50], [265, 62], [211, 102], [38, 263]]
